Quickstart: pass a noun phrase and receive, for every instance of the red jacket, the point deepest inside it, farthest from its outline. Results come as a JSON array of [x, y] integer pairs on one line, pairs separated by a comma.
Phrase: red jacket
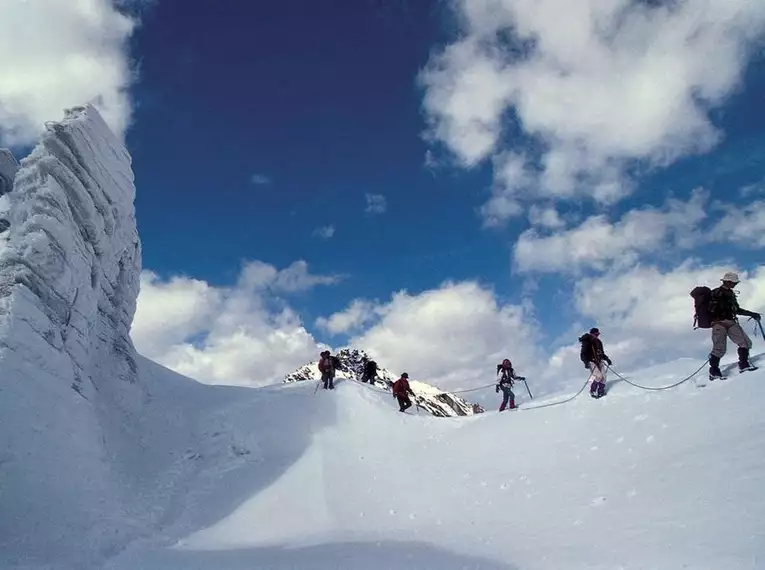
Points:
[[401, 387], [325, 365]]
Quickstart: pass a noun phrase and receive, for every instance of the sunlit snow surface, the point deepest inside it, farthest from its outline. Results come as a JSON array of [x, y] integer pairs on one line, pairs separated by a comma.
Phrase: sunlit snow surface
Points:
[[108, 461], [342, 480]]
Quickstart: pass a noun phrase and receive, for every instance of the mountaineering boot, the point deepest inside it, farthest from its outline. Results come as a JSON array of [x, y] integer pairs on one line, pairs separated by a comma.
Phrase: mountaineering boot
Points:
[[743, 360], [714, 368]]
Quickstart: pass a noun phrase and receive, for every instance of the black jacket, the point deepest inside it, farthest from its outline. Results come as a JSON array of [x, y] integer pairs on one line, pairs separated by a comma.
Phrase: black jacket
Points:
[[723, 305], [370, 369], [508, 375], [592, 349]]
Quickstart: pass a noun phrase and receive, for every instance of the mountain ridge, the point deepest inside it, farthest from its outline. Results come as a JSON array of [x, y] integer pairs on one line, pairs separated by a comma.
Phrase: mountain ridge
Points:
[[429, 398]]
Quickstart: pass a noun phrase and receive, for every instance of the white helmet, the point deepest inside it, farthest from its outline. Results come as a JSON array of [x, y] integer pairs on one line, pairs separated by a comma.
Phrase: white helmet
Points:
[[730, 276]]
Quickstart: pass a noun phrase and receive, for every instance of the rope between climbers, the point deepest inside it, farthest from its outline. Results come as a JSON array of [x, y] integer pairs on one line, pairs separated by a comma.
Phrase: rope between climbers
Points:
[[566, 401], [659, 388], [472, 389]]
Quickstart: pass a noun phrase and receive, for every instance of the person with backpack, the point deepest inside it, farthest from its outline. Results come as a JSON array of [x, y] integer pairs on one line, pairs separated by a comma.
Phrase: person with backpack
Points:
[[593, 357], [370, 372], [401, 391], [507, 379], [327, 366], [723, 314]]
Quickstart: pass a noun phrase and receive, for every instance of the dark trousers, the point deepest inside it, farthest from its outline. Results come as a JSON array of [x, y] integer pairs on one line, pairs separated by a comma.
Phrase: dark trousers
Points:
[[404, 402], [507, 396], [329, 380]]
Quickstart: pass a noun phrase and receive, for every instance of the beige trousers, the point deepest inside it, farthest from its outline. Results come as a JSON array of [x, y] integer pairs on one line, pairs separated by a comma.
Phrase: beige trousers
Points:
[[721, 331], [597, 372]]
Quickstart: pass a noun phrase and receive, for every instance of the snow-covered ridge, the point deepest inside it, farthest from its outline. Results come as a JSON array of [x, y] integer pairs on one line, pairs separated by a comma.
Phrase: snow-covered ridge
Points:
[[8, 168], [430, 398], [69, 272], [71, 400]]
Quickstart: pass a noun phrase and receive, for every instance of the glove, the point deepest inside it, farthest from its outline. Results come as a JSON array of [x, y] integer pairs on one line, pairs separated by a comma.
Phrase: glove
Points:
[[608, 360], [756, 316], [496, 388], [521, 378], [587, 365]]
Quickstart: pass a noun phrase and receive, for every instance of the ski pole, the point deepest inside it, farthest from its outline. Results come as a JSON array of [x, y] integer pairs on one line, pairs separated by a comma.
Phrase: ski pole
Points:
[[527, 388], [317, 387], [762, 332]]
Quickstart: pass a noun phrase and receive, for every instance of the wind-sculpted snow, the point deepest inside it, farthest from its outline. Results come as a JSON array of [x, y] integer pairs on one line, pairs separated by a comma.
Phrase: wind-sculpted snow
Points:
[[69, 274], [69, 277], [8, 168], [428, 398]]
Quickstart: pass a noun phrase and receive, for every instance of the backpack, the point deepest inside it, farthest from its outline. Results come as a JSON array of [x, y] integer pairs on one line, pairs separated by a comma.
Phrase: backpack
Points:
[[702, 317], [336, 364]]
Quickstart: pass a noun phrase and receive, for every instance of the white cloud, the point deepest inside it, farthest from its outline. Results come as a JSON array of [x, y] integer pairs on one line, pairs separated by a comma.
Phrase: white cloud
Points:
[[646, 315], [545, 217], [246, 334], [260, 276], [742, 225], [324, 232], [599, 244], [451, 336], [356, 315], [260, 179], [55, 55], [376, 204], [595, 84]]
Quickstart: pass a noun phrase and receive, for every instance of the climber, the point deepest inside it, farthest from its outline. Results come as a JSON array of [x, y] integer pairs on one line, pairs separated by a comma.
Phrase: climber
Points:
[[724, 311], [370, 372], [506, 381], [401, 391], [327, 369], [593, 357]]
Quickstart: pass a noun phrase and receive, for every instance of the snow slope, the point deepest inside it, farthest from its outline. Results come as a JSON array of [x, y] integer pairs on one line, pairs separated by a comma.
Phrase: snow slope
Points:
[[109, 461], [69, 274], [637, 480], [429, 398]]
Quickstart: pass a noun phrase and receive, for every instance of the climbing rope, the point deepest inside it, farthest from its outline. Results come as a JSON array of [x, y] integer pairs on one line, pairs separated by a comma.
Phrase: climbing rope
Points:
[[659, 388], [472, 389], [566, 401]]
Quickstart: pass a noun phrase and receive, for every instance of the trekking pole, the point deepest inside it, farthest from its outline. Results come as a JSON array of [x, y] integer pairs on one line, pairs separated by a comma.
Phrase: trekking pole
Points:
[[317, 387], [527, 388], [759, 324]]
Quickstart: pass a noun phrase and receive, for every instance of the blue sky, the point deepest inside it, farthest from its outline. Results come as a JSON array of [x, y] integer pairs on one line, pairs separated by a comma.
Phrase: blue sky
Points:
[[325, 106], [534, 170]]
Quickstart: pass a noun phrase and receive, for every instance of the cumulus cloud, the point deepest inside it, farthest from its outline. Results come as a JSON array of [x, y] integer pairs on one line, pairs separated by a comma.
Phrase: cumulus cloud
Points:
[[450, 336], [593, 85], [246, 334], [646, 315], [545, 217], [55, 55], [599, 244], [742, 225], [376, 204], [356, 315], [324, 232]]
